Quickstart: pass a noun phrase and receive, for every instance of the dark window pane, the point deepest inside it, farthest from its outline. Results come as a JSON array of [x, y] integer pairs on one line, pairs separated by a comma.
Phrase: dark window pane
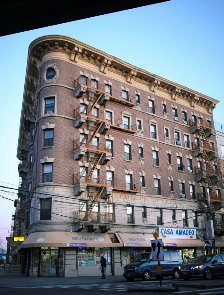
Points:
[[48, 137], [45, 209], [83, 80], [50, 73], [49, 105]]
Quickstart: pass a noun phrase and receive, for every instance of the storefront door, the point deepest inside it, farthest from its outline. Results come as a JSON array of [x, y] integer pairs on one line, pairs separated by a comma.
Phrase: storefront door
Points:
[[49, 263]]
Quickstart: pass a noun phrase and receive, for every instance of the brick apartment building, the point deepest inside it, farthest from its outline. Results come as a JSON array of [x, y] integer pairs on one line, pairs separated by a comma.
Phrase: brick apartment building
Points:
[[109, 154]]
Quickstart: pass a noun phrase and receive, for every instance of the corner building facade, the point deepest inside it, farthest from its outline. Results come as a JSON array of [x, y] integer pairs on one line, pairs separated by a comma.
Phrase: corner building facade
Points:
[[109, 154]]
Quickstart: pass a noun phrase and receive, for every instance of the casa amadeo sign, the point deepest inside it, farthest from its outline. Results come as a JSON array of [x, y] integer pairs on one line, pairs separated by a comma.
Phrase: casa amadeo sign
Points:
[[177, 233]]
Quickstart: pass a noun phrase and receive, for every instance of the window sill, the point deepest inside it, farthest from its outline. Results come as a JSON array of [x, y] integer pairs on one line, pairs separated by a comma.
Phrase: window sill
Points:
[[128, 161], [156, 166], [47, 147], [46, 183], [182, 171]]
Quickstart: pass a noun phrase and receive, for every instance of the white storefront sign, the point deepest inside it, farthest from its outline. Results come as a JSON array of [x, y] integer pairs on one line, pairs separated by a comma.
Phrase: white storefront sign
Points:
[[177, 233]]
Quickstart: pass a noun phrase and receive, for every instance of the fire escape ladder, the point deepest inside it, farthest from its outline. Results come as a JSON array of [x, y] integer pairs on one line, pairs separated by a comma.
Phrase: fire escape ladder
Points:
[[90, 208], [97, 160], [97, 128], [96, 101]]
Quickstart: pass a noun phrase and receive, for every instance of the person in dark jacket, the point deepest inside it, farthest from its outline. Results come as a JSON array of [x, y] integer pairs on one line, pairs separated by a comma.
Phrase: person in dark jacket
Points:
[[103, 263]]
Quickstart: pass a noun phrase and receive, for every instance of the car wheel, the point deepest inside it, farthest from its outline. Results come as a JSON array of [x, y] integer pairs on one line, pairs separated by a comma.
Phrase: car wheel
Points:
[[176, 274], [147, 275], [130, 279], [208, 274]]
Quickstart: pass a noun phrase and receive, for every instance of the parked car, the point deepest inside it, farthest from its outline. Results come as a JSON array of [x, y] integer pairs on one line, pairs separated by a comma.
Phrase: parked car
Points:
[[143, 266], [206, 266]]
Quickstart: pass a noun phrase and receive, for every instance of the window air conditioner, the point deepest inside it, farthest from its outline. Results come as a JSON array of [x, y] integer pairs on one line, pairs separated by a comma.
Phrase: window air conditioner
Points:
[[49, 112], [175, 118], [182, 195], [178, 142], [185, 122]]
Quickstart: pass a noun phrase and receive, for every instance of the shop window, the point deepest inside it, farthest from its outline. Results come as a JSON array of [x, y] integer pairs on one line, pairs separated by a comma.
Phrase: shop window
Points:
[[155, 158], [182, 190], [109, 116], [124, 95], [140, 151], [166, 132], [189, 166], [48, 137], [171, 185], [49, 105], [110, 178], [83, 80], [137, 97], [153, 131], [186, 141], [169, 159], [144, 212], [45, 209], [126, 122], [142, 181], [195, 218], [164, 109], [159, 216], [175, 115], [82, 172], [108, 89], [157, 186], [180, 164], [128, 181], [109, 146], [83, 138], [192, 191], [127, 151], [139, 124], [130, 214], [177, 138], [151, 107], [184, 117], [83, 109], [47, 172], [91, 256], [184, 217]]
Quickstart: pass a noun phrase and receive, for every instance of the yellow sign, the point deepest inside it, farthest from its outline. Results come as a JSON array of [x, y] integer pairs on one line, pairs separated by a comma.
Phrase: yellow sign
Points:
[[155, 235], [164, 236], [18, 239], [159, 269]]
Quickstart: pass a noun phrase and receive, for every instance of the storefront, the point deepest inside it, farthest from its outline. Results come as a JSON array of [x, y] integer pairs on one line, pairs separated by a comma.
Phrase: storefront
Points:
[[219, 244]]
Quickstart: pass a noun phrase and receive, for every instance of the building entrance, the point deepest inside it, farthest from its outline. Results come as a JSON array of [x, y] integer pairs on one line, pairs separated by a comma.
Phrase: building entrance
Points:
[[49, 263]]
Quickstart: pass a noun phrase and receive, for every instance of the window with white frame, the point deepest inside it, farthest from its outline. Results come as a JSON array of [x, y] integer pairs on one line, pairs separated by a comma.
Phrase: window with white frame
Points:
[[110, 177], [142, 181], [82, 208], [144, 212], [126, 122], [159, 216], [128, 181], [82, 173], [83, 138], [127, 151], [140, 151], [109, 146], [222, 150], [151, 107], [139, 124], [175, 114], [153, 131], [157, 186], [155, 158], [109, 116], [95, 176], [137, 97], [171, 185], [94, 84], [177, 137], [195, 218], [169, 159], [164, 108], [49, 105], [184, 216], [83, 109], [186, 141], [184, 117], [182, 190], [180, 163], [124, 95], [166, 132], [130, 214], [108, 88], [47, 174], [95, 143], [83, 80], [189, 165], [192, 191]]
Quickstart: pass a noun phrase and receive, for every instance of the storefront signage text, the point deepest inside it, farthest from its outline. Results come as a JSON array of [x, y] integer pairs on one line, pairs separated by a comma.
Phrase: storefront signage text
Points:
[[87, 239], [131, 245], [177, 233], [77, 244], [139, 239]]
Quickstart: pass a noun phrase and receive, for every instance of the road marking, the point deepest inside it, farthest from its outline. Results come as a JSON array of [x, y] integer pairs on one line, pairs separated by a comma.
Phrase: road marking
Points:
[[206, 291]]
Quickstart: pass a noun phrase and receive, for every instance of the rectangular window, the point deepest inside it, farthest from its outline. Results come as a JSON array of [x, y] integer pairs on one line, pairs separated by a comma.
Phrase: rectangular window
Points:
[[175, 115], [179, 163], [186, 141], [166, 132], [171, 185], [137, 96], [95, 176], [82, 172], [45, 209], [192, 191], [126, 122], [212, 145], [109, 146], [128, 181], [157, 186], [184, 216], [153, 131], [173, 214], [164, 109], [30, 162], [182, 190], [155, 158], [195, 218], [130, 214], [139, 124], [47, 172], [108, 116], [27, 220], [108, 89], [83, 80], [124, 95], [189, 166], [94, 84], [127, 151], [144, 212], [95, 212], [199, 165], [142, 181], [159, 216], [32, 134], [194, 119], [49, 137], [95, 112], [83, 138], [222, 150], [110, 177], [177, 137], [184, 117], [168, 158], [196, 140], [140, 151], [111, 212], [95, 143], [151, 107], [49, 105], [83, 109], [82, 209]]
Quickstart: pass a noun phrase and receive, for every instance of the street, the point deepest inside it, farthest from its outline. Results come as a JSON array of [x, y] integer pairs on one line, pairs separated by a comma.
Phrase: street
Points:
[[20, 284]]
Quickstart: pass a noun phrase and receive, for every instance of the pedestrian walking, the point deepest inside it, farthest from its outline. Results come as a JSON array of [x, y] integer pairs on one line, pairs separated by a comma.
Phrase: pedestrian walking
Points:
[[103, 263]]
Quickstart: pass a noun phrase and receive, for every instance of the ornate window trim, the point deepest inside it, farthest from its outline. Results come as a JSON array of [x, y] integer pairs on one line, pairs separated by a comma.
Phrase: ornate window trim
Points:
[[56, 73]]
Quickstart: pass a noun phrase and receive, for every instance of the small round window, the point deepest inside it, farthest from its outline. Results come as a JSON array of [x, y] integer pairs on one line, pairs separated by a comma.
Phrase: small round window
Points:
[[50, 73]]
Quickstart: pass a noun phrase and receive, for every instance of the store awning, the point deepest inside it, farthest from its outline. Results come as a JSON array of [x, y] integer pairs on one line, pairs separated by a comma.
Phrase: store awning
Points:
[[144, 240], [67, 239], [219, 241]]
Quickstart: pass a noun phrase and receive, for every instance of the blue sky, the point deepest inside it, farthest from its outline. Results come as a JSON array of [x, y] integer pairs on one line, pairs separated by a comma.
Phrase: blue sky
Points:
[[180, 40]]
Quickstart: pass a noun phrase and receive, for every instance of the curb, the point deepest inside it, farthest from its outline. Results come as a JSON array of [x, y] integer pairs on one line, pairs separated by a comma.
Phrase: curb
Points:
[[198, 286], [153, 289]]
